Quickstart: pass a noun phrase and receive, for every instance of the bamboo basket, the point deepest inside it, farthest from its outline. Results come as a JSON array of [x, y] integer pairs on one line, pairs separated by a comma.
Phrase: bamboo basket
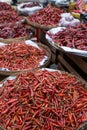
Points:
[[11, 40], [37, 25], [67, 50], [7, 73], [84, 125], [1, 128], [18, 39]]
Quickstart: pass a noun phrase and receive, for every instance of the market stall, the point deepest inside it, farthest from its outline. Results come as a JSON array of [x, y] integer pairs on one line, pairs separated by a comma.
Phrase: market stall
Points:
[[44, 99], [43, 65]]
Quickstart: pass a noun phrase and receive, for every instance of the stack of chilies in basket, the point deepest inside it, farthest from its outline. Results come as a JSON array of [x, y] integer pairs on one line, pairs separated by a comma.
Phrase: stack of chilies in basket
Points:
[[21, 56], [43, 100], [11, 24], [8, 14], [5, 6], [74, 37], [15, 30], [48, 16]]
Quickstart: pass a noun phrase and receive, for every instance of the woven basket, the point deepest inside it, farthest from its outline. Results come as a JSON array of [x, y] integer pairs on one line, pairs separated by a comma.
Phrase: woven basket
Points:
[[37, 25], [11, 40], [2, 128], [84, 125], [6, 73]]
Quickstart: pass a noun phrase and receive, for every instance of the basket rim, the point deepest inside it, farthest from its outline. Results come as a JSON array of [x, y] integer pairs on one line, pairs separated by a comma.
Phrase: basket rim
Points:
[[48, 51], [83, 125], [10, 40], [63, 72], [37, 25]]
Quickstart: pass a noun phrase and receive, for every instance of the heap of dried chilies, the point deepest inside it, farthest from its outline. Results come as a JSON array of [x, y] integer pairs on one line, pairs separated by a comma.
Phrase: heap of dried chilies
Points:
[[48, 16], [74, 37], [43, 100], [30, 5], [5, 6], [8, 16], [20, 56], [15, 30]]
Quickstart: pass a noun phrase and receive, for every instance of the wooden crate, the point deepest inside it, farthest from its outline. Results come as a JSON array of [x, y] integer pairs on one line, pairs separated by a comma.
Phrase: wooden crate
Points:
[[2, 77], [74, 64], [43, 40], [69, 62]]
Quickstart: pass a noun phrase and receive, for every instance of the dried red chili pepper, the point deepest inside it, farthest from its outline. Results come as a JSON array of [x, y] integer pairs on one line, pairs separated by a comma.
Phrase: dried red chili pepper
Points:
[[74, 37], [49, 107], [5, 6], [21, 56], [14, 30], [48, 16], [9, 16]]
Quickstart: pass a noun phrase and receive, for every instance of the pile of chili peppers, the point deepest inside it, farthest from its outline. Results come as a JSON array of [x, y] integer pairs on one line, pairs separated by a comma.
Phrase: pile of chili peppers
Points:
[[5, 6], [43, 100], [20, 56], [48, 16], [7, 16], [74, 37], [14, 30], [31, 4]]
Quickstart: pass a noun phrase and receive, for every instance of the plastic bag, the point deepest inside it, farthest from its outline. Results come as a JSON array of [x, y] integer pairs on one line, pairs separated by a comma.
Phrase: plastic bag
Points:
[[7, 1], [28, 10], [62, 2], [75, 22], [68, 20], [67, 16], [64, 23]]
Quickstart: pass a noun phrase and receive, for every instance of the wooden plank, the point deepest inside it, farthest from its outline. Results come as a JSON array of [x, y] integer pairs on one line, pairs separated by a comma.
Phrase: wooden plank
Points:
[[79, 62], [2, 77], [60, 67], [53, 58], [68, 66], [45, 42]]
